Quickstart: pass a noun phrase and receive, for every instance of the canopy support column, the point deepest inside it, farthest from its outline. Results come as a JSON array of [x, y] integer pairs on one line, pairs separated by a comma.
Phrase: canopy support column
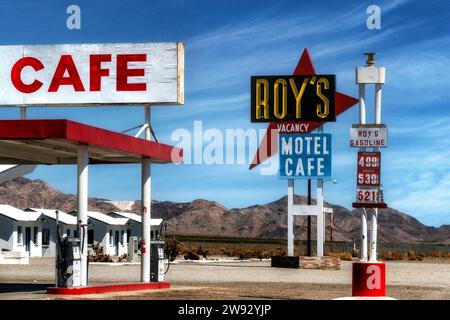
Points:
[[82, 174]]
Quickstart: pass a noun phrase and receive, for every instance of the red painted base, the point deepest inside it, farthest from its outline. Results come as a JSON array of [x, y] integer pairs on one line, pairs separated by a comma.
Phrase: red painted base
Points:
[[109, 288], [369, 279]]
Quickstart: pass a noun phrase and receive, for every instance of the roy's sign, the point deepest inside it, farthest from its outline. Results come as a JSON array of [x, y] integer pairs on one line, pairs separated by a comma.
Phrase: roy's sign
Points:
[[293, 98], [92, 74], [368, 136], [305, 156]]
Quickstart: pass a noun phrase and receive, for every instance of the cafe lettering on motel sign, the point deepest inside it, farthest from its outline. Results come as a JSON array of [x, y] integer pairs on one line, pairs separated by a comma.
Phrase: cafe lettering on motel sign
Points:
[[305, 156], [92, 74], [293, 98]]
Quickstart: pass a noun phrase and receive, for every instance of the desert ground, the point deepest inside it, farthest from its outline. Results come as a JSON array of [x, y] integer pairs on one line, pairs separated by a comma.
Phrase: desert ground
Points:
[[233, 280]]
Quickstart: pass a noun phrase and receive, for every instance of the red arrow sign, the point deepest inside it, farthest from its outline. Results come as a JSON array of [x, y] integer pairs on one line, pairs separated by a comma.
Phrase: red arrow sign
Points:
[[269, 144]]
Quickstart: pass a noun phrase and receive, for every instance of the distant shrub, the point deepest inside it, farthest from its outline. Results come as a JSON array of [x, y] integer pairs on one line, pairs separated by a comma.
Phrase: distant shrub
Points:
[[344, 256], [389, 255], [435, 254], [355, 253], [191, 255], [172, 248], [98, 254], [202, 252], [412, 255]]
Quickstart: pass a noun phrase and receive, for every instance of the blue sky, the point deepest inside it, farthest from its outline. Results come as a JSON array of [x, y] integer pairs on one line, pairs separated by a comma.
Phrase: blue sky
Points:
[[227, 42]]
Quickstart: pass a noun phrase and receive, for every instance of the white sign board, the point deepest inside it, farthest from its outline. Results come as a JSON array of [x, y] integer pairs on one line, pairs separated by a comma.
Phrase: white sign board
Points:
[[92, 74], [365, 136]]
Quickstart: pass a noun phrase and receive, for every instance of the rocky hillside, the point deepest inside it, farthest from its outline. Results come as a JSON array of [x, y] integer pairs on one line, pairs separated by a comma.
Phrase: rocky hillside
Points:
[[25, 193], [211, 219]]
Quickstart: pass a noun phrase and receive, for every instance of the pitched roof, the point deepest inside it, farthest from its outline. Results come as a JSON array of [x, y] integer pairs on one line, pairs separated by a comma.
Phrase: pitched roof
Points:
[[62, 216], [136, 217], [107, 219], [17, 214]]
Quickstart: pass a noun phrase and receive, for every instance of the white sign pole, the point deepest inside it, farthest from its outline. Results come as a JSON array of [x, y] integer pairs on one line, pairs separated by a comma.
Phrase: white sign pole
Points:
[[362, 120], [373, 243], [374, 229], [362, 103], [320, 213], [320, 217], [364, 235], [146, 206], [290, 222], [23, 113]]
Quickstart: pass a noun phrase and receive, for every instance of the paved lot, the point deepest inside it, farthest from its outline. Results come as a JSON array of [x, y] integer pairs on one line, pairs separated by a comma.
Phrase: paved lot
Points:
[[235, 280]]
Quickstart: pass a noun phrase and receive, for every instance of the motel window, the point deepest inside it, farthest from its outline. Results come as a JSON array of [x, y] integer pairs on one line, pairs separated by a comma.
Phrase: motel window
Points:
[[35, 235], [68, 233], [45, 237], [19, 235], [111, 238], [75, 233], [91, 236], [122, 236], [128, 235]]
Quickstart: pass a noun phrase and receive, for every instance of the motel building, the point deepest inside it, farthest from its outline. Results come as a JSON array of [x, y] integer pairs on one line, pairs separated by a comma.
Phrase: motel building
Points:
[[135, 224], [46, 227], [20, 232], [110, 232], [32, 232]]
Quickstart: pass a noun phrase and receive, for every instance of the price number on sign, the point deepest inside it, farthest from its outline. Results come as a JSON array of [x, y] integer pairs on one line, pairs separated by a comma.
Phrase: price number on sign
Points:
[[369, 160], [368, 179], [367, 195]]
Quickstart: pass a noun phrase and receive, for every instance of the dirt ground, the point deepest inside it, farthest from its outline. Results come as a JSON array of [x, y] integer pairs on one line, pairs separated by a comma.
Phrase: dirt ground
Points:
[[429, 279]]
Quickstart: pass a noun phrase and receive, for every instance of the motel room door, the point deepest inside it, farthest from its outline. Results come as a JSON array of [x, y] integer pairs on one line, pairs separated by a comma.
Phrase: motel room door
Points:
[[117, 242], [27, 239]]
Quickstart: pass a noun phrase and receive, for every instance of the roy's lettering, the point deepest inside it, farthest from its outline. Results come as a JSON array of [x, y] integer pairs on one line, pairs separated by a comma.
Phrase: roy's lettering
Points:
[[292, 98]]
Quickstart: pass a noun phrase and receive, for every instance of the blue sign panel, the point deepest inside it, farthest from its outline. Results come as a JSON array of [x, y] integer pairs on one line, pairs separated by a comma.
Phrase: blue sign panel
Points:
[[305, 156]]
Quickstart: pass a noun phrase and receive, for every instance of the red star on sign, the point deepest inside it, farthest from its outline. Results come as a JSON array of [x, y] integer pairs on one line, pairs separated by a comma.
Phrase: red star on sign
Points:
[[342, 103]]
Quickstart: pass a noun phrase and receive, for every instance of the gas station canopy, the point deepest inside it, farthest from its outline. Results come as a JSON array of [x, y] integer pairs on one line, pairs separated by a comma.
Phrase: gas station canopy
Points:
[[56, 142]]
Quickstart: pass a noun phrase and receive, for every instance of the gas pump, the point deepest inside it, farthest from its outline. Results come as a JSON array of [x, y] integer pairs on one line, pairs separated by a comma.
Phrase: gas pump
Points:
[[157, 269], [68, 260], [157, 257]]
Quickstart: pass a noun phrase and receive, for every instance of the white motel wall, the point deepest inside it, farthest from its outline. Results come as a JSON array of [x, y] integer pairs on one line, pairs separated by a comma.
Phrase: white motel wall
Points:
[[33, 231]]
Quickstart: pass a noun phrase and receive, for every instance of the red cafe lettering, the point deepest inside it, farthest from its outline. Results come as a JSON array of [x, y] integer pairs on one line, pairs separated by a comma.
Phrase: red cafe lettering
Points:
[[66, 73]]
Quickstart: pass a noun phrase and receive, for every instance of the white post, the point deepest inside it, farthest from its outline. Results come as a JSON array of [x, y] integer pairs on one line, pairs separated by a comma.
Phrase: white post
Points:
[[23, 112], [82, 170], [324, 227], [377, 103], [362, 120], [373, 236], [362, 104], [290, 220], [146, 206], [320, 218], [373, 244], [364, 235]]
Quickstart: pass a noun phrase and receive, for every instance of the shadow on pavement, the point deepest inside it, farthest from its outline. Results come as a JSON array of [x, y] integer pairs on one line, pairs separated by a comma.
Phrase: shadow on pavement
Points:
[[23, 287]]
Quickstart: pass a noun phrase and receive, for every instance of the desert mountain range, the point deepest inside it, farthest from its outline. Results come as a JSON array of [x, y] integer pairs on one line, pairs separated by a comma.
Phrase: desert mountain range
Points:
[[211, 219]]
